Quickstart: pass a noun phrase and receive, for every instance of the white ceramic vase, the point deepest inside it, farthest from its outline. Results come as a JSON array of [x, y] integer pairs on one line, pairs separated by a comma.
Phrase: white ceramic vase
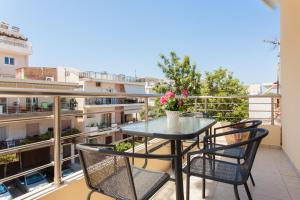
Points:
[[172, 118]]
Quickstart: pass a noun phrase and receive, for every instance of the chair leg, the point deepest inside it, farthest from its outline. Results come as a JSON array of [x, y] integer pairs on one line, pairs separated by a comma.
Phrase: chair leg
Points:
[[252, 180], [248, 192], [203, 188], [236, 192], [89, 195], [187, 186]]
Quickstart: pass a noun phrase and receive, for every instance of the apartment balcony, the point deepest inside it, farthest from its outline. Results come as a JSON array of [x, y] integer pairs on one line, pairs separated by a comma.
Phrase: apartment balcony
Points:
[[15, 45], [111, 102], [274, 173], [107, 77], [33, 111], [275, 176]]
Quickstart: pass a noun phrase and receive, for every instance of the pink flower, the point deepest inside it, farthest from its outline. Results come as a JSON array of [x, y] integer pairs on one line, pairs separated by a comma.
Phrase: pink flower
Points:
[[163, 100], [185, 93], [170, 95]]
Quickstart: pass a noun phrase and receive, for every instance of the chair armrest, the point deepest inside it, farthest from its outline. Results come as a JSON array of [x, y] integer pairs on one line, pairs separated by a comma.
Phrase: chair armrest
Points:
[[229, 146]]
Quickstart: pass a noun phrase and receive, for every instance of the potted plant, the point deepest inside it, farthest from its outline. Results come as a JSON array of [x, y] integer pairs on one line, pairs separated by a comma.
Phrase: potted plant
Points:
[[91, 128], [173, 106]]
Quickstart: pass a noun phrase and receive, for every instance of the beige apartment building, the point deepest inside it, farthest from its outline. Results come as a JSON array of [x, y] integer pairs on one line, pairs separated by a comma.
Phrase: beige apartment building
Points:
[[106, 114]]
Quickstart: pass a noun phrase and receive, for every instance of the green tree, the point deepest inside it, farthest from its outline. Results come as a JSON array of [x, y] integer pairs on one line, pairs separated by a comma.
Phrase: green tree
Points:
[[222, 83], [181, 73]]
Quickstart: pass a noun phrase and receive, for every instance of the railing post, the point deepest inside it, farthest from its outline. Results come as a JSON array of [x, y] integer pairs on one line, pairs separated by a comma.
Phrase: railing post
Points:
[[195, 106], [146, 108], [272, 111], [205, 105], [57, 142]]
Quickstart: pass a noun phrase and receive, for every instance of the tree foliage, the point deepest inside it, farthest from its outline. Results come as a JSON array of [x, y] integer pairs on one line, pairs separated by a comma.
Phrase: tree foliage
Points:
[[184, 75], [222, 83], [181, 73]]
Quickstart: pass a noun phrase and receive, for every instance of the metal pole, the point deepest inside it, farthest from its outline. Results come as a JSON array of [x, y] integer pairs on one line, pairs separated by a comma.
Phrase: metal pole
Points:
[[205, 105], [272, 110], [195, 106], [146, 108], [57, 142]]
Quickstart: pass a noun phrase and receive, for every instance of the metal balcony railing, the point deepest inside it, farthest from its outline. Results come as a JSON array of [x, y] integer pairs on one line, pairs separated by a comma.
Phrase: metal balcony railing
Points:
[[109, 77], [265, 107]]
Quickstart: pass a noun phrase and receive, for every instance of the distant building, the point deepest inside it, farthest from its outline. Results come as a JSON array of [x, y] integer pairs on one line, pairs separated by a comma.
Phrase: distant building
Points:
[[101, 126], [14, 50]]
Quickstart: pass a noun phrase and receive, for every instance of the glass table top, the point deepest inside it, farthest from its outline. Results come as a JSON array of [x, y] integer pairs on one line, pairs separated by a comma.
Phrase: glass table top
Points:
[[188, 127]]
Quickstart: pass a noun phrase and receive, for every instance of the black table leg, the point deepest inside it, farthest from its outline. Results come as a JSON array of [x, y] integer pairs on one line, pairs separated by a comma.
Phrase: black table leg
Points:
[[173, 153], [178, 172]]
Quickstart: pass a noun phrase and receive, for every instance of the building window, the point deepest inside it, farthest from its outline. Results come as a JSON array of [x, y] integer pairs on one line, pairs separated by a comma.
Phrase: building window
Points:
[[98, 84], [9, 61]]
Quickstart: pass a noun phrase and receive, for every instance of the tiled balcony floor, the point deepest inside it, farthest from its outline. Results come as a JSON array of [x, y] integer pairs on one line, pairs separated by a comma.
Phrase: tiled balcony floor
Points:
[[275, 178]]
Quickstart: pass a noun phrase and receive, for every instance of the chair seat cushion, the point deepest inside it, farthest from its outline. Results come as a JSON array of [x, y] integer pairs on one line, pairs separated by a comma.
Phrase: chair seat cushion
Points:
[[217, 170], [237, 152], [147, 182]]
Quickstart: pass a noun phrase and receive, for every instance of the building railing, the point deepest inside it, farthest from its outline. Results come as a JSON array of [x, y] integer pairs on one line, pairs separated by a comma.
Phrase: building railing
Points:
[[109, 77], [255, 106], [7, 76], [6, 110], [107, 101], [16, 43]]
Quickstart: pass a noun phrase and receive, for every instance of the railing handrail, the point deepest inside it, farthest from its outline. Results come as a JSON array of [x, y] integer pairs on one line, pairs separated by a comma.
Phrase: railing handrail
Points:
[[75, 93]]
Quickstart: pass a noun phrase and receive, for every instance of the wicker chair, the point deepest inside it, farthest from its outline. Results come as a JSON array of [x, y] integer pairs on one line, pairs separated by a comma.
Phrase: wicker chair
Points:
[[109, 172], [223, 171], [238, 152]]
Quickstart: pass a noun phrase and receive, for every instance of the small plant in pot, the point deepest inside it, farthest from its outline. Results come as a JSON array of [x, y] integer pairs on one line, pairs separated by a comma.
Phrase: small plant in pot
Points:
[[173, 106]]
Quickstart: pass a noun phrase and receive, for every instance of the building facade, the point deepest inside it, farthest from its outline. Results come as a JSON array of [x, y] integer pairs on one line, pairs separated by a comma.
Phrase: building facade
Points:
[[14, 50]]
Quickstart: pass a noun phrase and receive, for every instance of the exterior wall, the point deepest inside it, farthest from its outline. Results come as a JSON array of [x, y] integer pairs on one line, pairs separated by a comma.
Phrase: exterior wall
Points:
[[20, 61], [67, 74], [18, 130], [290, 73], [36, 73], [105, 87]]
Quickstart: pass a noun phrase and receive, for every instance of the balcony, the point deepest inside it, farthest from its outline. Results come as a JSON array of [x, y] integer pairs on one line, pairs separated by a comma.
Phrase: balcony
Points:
[[275, 175], [271, 165], [43, 109], [110, 102], [15, 45], [106, 77]]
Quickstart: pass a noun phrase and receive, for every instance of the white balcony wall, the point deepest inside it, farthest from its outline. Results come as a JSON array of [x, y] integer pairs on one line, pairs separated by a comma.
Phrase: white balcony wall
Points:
[[257, 105], [134, 89]]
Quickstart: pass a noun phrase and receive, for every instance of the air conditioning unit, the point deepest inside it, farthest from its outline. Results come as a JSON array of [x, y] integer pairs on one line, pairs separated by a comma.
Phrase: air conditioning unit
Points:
[[49, 78]]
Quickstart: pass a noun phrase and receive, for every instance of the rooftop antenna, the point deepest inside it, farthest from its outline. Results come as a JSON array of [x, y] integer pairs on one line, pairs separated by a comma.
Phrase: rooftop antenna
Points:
[[276, 44]]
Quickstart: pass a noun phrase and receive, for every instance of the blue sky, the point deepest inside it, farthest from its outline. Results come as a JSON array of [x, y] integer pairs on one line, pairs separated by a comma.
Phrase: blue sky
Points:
[[123, 36]]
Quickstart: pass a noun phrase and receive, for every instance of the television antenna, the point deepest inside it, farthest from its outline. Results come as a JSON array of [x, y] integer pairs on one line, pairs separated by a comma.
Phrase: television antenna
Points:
[[276, 44]]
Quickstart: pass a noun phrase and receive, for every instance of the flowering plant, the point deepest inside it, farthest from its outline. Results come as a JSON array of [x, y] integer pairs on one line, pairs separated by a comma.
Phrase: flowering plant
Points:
[[171, 103]]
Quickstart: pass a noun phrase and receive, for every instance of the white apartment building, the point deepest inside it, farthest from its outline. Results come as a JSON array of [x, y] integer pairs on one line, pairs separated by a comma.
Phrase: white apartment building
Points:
[[14, 50]]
